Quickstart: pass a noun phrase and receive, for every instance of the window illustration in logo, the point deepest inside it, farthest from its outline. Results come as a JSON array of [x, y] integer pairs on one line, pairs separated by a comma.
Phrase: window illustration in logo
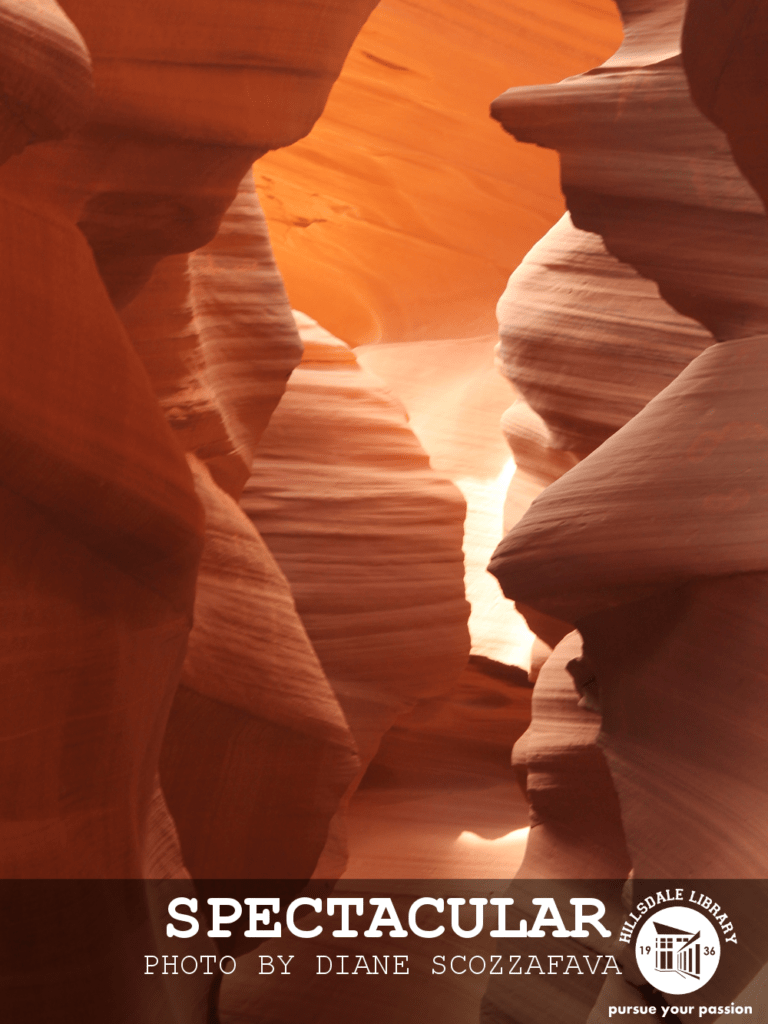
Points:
[[678, 950]]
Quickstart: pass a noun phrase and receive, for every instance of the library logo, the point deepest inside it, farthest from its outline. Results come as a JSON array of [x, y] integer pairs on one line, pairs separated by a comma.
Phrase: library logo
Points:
[[677, 950]]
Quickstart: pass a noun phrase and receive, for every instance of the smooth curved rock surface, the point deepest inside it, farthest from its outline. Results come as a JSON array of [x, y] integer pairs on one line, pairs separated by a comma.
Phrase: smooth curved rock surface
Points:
[[183, 106], [247, 334], [368, 536], [233, 73], [655, 203], [219, 341], [586, 340], [102, 534], [215, 331], [103, 528], [664, 522], [47, 87], [681, 684], [403, 227], [149, 176], [257, 753], [724, 59], [623, 529], [454, 398], [656, 181], [574, 806], [400, 217]]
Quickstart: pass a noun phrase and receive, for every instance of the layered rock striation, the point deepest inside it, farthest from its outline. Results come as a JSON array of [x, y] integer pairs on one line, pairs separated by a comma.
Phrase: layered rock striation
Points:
[[391, 222], [47, 86], [148, 175], [218, 338], [125, 443], [368, 536], [651, 544], [635, 543]]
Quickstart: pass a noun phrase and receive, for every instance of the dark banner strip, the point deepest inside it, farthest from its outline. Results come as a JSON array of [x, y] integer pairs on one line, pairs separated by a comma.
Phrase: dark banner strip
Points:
[[404, 951]]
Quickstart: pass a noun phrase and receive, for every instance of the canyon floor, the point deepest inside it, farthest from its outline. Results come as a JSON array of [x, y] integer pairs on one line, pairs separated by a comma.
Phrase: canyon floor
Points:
[[440, 800]]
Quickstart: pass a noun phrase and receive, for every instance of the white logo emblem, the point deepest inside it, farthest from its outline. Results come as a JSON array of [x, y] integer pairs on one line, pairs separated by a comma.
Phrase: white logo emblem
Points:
[[677, 950]]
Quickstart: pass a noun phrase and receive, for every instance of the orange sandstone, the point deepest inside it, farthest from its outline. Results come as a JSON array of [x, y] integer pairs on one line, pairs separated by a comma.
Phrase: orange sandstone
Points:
[[401, 215]]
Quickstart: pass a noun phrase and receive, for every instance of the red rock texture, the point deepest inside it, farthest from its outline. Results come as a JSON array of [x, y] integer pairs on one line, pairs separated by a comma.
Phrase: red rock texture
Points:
[[103, 534], [683, 215], [587, 340], [401, 225], [150, 174], [216, 334], [400, 216], [661, 525], [577, 831], [246, 331], [655, 204], [454, 398], [47, 85], [219, 341], [184, 698], [103, 521], [257, 753], [723, 56], [368, 536]]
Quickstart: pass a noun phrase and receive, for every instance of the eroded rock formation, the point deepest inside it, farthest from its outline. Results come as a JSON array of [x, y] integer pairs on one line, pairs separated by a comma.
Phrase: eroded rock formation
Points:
[[723, 58], [637, 517], [103, 521], [218, 338], [652, 544], [47, 83], [194, 685], [368, 536], [403, 226], [399, 217]]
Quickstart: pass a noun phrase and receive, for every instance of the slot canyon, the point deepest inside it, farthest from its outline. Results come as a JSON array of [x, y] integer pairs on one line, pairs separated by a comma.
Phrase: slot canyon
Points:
[[384, 508]]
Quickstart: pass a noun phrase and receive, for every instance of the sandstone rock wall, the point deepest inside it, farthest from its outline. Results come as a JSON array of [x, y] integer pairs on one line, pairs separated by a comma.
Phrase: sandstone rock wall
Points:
[[47, 84], [104, 521], [723, 57], [369, 538], [150, 174], [662, 524], [400, 217], [183, 697], [652, 545], [402, 226]]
